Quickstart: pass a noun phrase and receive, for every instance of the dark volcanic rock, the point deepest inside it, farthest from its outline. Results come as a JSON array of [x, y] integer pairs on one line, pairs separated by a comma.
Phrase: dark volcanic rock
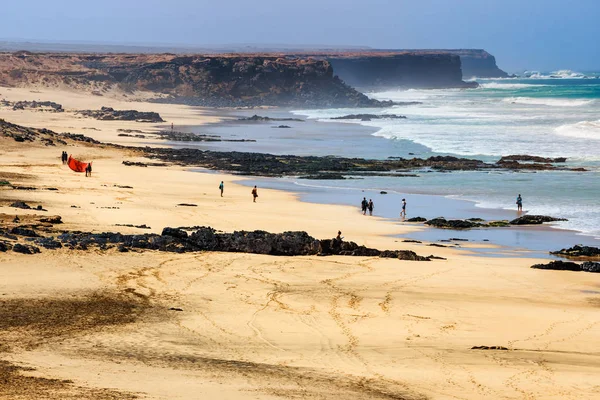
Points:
[[110, 114], [21, 204], [578, 251], [22, 231], [4, 246], [452, 224], [590, 266], [208, 239], [523, 157], [49, 243], [534, 220], [25, 249], [177, 233], [55, 219], [416, 219], [323, 176], [569, 266]]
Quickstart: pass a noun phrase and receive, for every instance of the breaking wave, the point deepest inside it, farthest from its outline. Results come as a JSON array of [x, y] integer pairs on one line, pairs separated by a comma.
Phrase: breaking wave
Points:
[[535, 101], [583, 130]]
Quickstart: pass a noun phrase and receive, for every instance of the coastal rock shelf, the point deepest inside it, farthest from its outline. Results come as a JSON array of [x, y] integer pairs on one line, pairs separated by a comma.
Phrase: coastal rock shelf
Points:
[[264, 164], [579, 252], [587, 266], [203, 239], [110, 114], [470, 223]]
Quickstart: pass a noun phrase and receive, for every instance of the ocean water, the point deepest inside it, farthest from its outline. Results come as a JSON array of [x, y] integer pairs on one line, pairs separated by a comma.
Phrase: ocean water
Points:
[[552, 115]]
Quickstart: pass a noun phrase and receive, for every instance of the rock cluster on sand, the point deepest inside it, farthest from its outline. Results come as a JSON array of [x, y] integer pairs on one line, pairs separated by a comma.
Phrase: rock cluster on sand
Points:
[[207, 239], [578, 251], [587, 266], [534, 220], [110, 114]]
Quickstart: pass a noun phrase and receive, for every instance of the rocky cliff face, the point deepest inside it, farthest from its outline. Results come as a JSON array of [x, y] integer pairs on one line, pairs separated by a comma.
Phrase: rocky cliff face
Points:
[[222, 81], [477, 63], [403, 70]]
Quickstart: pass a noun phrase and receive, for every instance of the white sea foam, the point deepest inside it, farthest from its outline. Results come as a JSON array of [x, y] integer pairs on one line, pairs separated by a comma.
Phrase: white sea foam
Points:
[[507, 86], [583, 130], [561, 74], [553, 102]]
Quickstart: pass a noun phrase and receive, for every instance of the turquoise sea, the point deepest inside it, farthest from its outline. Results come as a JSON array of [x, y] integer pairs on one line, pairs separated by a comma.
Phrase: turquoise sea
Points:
[[552, 115]]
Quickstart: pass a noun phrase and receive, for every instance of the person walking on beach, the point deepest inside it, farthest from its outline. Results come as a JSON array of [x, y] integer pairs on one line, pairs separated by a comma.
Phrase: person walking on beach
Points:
[[221, 188], [519, 203], [254, 194], [88, 170], [403, 212], [363, 206], [370, 207]]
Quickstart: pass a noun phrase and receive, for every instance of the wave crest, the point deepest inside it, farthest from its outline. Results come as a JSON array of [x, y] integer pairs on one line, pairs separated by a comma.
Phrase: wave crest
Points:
[[552, 102], [583, 130]]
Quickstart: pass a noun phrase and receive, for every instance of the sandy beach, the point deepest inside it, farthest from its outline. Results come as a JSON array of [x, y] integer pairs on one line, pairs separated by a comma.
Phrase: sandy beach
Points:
[[154, 325]]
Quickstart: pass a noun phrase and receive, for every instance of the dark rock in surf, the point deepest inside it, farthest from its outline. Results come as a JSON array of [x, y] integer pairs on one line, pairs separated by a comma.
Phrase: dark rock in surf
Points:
[[578, 251], [534, 220]]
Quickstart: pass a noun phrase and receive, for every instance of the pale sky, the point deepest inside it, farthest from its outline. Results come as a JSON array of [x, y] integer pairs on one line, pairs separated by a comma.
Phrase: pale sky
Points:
[[522, 34]]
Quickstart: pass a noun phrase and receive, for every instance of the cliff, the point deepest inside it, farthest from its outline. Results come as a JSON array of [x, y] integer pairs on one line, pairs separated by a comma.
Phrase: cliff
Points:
[[478, 63], [221, 81], [413, 69]]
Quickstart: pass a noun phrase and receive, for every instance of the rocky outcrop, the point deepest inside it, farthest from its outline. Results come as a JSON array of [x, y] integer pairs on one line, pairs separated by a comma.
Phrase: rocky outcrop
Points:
[[587, 266], [478, 63], [110, 114], [534, 220], [208, 239], [528, 158], [453, 223], [408, 69], [37, 105], [579, 252], [219, 81]]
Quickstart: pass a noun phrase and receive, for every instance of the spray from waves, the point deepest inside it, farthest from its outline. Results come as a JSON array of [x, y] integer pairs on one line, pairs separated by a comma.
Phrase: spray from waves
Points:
[[508, 85], [582, 130], [562, 74], [535, 101]]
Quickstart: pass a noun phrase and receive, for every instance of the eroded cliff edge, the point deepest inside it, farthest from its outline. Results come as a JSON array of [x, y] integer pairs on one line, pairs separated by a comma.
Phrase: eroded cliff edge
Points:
[[216, 81], [414, 69]]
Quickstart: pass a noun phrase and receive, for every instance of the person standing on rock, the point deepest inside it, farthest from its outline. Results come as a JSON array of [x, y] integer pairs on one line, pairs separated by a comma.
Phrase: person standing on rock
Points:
[[370, 207], [403, 212], [254, 194], [221, 188], [363, 206], [519, 203]]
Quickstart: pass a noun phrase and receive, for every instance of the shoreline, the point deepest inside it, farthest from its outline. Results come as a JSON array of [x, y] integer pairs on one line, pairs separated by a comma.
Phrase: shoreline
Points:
[[532, 240]]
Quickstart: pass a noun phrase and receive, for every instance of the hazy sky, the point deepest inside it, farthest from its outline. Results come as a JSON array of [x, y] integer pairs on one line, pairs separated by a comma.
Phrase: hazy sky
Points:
[[533, 34]]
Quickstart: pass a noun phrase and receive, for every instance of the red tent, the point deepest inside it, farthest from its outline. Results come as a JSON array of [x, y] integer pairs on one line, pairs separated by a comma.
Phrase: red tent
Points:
[[77, 165]]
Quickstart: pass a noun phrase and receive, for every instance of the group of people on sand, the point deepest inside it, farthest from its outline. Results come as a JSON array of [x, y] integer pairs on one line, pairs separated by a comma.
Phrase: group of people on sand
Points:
[[254, 191], [64, 157], [369, 206]]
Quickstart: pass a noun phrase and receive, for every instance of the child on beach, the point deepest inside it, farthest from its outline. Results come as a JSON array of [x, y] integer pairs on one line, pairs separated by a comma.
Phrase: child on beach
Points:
[[221, 187], [254, 194], [403, 212], [519, 203]]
